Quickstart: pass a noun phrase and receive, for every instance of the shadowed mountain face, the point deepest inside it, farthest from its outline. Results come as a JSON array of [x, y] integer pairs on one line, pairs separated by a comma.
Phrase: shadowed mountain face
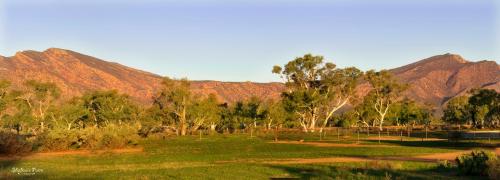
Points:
[[433, 80]]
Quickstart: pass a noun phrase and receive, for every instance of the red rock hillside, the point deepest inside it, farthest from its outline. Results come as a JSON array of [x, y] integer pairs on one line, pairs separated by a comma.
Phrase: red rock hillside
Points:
[[76, 73], [439, 78], [433, 80]]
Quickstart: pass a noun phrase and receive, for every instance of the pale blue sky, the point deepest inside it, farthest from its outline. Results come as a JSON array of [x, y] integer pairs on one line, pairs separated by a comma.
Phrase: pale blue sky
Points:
[[241, 40]]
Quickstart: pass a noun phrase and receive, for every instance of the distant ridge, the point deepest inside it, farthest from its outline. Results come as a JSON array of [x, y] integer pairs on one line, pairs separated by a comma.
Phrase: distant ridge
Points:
[[76, 73], [433, 80]]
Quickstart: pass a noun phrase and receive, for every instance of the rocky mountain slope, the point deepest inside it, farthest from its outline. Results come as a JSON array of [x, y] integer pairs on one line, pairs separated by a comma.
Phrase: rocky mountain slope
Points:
[[76, 73], [433, 80], [439, 78]]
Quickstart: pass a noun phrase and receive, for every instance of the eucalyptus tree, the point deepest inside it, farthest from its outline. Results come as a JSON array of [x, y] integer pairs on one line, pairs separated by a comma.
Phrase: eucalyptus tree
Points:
[[204, 112], [485, 108], [365, 113], [100, 108], [175, 98], [315, 89], [276, 114], [480, 109], [4, 86], [249, 113], [386, 90], [457, 111], [255, 110], [338, 88], [39, 97]]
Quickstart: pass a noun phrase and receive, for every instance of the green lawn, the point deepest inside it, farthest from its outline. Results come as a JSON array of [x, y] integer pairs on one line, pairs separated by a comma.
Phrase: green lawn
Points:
[[233, 157]]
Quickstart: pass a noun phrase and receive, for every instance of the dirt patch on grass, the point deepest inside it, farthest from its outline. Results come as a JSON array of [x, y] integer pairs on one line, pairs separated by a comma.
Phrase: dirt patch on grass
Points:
[[137, 166], [451, 155], [421, 158], [74, 152]]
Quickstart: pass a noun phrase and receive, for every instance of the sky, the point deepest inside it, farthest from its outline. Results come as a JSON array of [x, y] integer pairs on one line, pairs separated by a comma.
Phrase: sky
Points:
[[240, 40]]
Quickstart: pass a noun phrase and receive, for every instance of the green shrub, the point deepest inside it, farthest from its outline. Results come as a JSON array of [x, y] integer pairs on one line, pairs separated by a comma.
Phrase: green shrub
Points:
[[108, 137], [54, 140], [475, 163], [11, 144], [444, 165]]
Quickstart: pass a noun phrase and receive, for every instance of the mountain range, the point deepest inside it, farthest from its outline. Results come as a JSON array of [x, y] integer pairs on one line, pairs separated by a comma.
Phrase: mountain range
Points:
[[433, 80]]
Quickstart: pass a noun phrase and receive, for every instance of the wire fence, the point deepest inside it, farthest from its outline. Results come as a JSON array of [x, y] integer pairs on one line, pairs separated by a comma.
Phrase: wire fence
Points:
[[390, 133]]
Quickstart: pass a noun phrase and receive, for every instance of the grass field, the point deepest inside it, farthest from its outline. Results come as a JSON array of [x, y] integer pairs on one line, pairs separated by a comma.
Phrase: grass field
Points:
[[242, 157]]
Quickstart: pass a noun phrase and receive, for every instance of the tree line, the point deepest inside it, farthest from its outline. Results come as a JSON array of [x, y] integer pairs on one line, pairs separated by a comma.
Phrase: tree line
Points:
[[318, 94]]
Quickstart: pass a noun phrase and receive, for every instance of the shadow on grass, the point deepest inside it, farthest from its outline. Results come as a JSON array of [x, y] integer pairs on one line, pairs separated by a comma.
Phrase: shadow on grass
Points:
[[439, 144], [366, 172], [13, 148]]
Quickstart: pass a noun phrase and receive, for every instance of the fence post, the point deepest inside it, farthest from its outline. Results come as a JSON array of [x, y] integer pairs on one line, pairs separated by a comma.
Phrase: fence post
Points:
[[338, 134], [425, 132], [379, 136], [401, 134], [324, 132], [358, 134]]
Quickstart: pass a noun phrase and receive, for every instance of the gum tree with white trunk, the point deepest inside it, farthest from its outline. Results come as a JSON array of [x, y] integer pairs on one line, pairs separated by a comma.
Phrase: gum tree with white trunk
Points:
[[386, 91], [315, 89]]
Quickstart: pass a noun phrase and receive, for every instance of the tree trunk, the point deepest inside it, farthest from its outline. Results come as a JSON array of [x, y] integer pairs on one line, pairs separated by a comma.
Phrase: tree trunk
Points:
[[251, 132], [312, 125], [382, 118], [182, 128], [409, 131], [304, 127], [42, 126]]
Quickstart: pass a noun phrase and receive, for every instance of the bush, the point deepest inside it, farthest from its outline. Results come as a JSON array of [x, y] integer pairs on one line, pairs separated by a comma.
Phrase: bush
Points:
[[444, 165], [109, 137], [12, 144], [494, 168], [475, 163]]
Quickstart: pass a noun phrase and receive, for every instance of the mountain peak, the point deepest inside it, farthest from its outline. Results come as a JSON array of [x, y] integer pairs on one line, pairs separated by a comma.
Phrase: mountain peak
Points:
[[444, 61], [448, 57], [57, 51]]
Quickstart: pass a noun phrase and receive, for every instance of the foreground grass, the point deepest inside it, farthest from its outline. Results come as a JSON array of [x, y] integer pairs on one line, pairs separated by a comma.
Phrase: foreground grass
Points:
[[231, 157]]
